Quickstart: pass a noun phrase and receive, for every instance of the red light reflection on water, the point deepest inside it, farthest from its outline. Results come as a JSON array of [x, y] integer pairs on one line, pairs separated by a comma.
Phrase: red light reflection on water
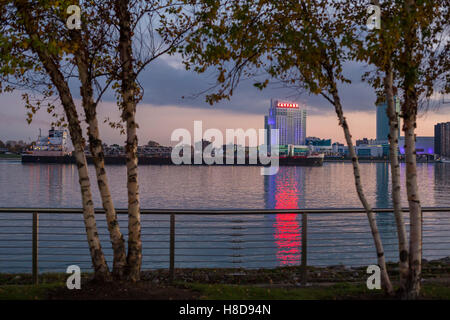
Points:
[[287, 228]]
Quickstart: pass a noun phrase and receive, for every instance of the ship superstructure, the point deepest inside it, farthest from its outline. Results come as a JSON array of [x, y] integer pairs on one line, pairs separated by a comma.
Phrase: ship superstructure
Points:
[[55, 144]]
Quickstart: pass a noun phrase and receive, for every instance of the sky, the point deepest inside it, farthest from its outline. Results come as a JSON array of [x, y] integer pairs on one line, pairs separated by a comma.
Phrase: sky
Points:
[[163, 108]]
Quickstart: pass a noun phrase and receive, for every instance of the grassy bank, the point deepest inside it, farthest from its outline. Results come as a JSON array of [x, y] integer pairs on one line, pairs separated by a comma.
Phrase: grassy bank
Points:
[[197, 291], [27, 292], [52, 286], [10, 156], [342, 291]]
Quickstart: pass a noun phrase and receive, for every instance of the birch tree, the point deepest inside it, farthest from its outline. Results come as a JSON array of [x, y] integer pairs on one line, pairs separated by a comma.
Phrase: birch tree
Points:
[[85, 49], [26, 48], [423, 64], [394, 127], [137, 43], [302, 43], [379, 48], [411, 50], [90, 46], [129, 92], [103, 47], [411, 46]]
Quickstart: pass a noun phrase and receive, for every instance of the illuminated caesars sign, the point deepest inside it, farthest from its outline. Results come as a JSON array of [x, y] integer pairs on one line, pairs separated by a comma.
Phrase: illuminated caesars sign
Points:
[[287, 105]]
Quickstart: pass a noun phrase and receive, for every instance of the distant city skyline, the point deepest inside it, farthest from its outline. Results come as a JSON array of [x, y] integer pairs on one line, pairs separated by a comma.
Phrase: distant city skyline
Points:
[[157, 123], [163, 109]]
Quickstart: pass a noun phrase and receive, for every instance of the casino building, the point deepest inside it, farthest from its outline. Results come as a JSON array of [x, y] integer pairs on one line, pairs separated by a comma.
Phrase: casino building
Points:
[[290, 119]]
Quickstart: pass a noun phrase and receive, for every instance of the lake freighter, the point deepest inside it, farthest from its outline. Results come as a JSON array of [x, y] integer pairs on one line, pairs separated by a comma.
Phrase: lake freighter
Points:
[[54, 149], [49, 148]]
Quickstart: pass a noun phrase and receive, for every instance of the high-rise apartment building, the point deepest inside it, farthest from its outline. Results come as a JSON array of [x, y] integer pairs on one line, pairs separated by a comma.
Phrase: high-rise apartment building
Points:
[[290, 119], [383, 121], [442, 139]]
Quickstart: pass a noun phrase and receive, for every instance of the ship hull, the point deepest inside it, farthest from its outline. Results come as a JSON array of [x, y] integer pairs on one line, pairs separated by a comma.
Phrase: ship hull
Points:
[[302, 161], [47, 159], [121, 160]]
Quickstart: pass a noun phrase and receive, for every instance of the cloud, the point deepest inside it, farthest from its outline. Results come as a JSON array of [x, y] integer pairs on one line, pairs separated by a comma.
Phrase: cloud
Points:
[[166, 82]]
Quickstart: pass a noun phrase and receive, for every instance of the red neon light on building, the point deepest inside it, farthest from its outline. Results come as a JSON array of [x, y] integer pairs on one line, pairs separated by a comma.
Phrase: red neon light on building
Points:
[[287, 105]]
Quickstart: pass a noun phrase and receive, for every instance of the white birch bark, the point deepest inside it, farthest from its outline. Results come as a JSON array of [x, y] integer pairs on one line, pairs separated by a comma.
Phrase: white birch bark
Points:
[[386, 282], [98, 259], [128, 91], [101, 271], [415, 210], [96, 147], [409, 111], [395, 177]]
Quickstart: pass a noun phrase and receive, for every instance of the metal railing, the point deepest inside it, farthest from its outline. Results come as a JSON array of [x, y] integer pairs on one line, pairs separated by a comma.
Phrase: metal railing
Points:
[[214, 238]]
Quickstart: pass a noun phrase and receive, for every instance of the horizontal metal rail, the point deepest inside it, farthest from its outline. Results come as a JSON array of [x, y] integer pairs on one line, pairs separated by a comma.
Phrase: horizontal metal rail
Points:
[[53, 238], [219, 212]]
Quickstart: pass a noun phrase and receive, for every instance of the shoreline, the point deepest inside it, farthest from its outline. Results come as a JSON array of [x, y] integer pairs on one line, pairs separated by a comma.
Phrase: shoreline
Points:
[[287, 275], [281, 283], [145, 160], [375, 160], [117, 160]]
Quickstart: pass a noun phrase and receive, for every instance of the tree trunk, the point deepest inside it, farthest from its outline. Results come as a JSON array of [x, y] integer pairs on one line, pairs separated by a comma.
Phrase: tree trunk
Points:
[[128, 92], [409, 111], [386, 282], [395, 176], [415, 209], [96, 147], [52, 69], [98, 259]]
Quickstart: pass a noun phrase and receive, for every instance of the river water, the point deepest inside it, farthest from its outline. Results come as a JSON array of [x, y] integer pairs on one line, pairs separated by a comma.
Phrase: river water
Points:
[[220, 241]]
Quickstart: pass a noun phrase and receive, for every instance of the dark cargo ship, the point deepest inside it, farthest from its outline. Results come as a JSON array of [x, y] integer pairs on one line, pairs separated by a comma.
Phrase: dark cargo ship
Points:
[[310, 161], [53, 149]]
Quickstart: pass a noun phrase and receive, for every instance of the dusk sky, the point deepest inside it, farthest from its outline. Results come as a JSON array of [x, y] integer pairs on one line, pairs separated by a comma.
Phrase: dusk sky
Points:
[[163, 109]]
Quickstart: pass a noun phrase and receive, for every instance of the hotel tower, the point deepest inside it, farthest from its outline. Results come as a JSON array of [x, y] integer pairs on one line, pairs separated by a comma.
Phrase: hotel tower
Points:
[[290, 119]]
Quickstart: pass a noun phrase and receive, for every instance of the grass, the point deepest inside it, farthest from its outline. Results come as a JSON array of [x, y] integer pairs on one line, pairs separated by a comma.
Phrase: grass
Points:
[[239, 292], [17, 287], [211, 292], [334, 292], [235, 292], [27, 292], [436, 292], [26, 278]]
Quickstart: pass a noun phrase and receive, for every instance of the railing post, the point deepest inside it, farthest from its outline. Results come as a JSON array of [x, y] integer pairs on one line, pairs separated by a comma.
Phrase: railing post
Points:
[[172, 248], [35, 248], [304, 247]]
